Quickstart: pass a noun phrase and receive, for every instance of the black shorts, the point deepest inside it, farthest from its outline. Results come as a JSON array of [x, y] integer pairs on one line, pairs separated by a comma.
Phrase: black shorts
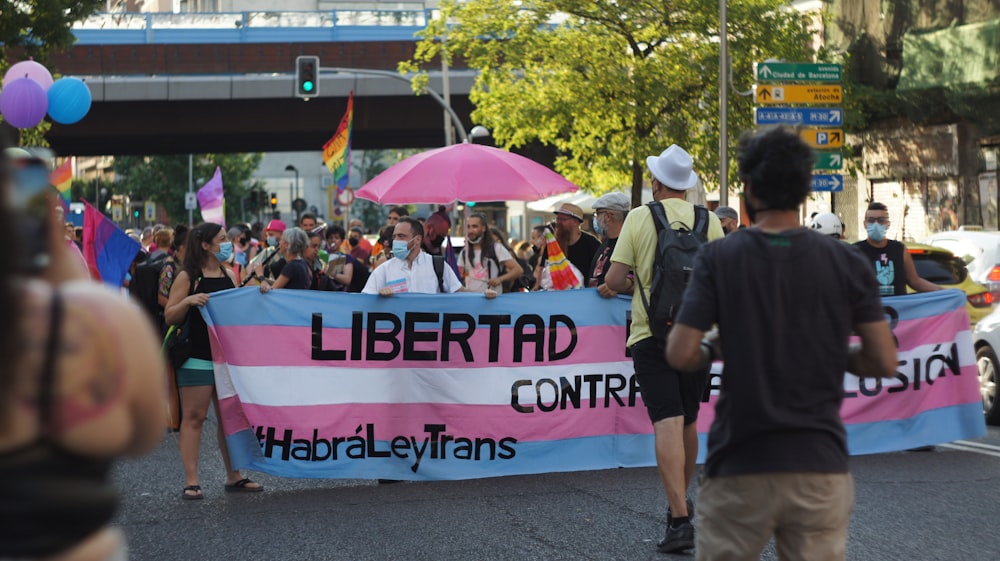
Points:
[[665, 391]]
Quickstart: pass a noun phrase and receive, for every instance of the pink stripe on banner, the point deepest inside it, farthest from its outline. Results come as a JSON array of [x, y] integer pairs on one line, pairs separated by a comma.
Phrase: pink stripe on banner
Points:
[[931, 330], [473, 421], [233, 415], [948, 390], [292, 346]]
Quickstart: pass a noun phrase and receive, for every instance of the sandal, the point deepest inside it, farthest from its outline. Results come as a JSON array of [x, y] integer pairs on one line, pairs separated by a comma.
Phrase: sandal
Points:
[[196, 493], [242, 486]]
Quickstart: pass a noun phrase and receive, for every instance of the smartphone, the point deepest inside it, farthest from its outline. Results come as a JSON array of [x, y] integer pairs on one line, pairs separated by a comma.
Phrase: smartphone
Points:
[[31, 200]]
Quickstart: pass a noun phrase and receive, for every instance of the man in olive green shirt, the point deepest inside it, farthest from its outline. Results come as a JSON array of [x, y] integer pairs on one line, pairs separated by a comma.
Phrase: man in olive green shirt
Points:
[[672, 398]]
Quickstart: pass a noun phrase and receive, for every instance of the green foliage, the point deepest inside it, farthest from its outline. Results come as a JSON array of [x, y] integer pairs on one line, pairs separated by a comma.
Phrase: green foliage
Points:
[[164, 179], [613, 81]]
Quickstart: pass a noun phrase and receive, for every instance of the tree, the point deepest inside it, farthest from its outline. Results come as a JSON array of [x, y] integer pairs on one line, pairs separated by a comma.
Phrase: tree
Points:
[[34, 28], [609, 82], [164, 179]]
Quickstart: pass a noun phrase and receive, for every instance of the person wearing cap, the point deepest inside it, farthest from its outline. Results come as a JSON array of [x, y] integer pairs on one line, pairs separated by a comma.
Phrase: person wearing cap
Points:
[[672, 397], [270, 261], [729, 219], [579, 246], [609, 216]]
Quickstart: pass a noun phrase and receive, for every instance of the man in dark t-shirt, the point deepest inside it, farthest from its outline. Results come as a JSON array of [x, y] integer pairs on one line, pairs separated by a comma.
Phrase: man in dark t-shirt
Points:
[[892, 264], [609, 217], [777, 449], [578, 245]]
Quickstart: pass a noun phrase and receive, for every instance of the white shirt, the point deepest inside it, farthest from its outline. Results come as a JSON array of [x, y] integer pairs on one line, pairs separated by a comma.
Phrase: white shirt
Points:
[[398, 275], [477, 272]]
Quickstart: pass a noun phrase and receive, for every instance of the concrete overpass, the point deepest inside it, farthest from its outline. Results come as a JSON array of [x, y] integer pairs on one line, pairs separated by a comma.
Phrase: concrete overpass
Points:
[[176, 83]]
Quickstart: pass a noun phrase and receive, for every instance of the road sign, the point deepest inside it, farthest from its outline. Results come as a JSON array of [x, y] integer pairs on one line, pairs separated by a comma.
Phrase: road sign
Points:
[[346, 197], [829, 160], [116, 212], [150, 208], [797, 94], [828, 182], [823, 138], [796, 72], [814, 117], [299, 205], [190, 201]]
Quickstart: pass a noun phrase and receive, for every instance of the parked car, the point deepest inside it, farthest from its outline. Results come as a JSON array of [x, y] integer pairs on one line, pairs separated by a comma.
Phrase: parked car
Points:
[[942, 267], [979, 249], [986, 340]]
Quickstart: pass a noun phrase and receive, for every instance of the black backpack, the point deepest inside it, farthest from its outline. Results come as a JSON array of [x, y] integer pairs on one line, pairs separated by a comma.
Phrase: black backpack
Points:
[[439, 270], [672, 266], [145, 288], [359, 278]]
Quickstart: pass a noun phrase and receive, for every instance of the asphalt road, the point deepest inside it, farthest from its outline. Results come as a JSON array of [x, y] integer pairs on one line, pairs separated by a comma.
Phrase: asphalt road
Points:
[[938, 505]]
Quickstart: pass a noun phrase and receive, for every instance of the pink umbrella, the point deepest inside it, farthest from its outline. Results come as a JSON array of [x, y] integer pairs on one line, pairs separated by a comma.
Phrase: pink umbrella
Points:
[[464, 172]]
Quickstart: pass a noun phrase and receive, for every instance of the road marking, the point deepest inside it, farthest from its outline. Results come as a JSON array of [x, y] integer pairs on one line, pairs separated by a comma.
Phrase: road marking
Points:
[[975, 447]]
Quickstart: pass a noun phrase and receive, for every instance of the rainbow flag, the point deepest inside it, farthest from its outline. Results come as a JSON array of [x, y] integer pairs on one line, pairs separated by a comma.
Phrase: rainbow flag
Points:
[[337, 150], [107, 249], [62, 179], [559, 267]]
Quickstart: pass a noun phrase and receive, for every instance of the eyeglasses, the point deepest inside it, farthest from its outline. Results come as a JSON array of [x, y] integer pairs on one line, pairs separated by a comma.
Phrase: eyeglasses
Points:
[[883, 220]]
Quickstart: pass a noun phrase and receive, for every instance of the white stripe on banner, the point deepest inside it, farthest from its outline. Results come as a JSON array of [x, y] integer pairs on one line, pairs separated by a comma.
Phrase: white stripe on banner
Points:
[[303, 385]]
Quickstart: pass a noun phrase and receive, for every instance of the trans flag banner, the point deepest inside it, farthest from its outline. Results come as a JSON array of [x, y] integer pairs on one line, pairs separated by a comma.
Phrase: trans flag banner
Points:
[[454, 386]]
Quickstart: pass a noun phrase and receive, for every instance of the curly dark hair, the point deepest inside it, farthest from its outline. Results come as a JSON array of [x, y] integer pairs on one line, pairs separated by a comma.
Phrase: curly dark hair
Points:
[[777, 165]]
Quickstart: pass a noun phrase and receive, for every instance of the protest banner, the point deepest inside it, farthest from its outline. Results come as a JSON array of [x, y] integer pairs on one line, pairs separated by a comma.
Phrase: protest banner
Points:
[[453, 386]]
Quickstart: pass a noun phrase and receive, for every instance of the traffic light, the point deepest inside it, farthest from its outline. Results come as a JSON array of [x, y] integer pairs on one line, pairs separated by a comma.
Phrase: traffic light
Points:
[[307, 76], [274, 201]]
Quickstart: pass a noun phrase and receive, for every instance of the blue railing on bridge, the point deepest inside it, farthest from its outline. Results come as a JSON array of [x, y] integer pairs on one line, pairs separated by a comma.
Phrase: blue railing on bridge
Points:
[[110, 28]]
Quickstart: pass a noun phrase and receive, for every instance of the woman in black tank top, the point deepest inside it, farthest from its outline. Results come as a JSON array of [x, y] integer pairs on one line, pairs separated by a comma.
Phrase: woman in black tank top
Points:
[[203, 274]]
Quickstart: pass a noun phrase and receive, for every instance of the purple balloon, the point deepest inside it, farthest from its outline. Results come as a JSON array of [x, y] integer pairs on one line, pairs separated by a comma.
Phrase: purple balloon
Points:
[[23, 103], [29, 69], [69, 100]]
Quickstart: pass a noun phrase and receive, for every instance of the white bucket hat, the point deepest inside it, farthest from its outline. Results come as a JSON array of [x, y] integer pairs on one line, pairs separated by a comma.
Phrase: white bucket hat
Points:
[[673, 168]]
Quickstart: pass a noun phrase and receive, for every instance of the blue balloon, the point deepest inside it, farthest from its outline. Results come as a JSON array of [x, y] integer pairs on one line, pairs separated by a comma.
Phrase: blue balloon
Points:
[[69, 100]]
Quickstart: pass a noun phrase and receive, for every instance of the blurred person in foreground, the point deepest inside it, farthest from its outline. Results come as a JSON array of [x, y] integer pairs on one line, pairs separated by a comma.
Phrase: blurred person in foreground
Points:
[[85, 386], [777, 450]]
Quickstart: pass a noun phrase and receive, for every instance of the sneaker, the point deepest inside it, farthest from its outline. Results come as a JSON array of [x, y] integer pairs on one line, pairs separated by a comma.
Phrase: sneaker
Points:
[[690, 506], [677, 539]]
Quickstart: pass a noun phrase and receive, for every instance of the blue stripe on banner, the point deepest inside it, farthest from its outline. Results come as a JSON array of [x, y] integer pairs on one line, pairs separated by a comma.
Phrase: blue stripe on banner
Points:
[[925, 304], [247, 306], [936, 426], [592, 453]]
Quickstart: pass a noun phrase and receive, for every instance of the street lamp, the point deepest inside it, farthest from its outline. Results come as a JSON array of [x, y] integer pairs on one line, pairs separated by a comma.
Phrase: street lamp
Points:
[[409, 80], [294, 169]]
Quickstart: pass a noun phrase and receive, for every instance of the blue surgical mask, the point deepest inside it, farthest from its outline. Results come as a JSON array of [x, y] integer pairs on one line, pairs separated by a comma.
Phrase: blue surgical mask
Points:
[[400, 249], [225, 251], [598, 229], [241, 259], [272, 241], [876, 232]]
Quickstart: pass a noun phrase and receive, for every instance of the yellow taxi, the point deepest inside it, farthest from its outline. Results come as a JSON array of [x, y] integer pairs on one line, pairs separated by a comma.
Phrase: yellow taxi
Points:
[[943, 268]]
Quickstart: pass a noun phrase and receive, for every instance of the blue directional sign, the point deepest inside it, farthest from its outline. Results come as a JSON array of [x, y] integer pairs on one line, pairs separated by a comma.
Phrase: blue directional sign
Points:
[[828, 182], [816, 117]]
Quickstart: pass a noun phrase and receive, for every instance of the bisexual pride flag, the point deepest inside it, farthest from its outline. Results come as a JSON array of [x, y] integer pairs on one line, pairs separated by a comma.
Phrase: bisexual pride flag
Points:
[[454, 386], [107, 249]]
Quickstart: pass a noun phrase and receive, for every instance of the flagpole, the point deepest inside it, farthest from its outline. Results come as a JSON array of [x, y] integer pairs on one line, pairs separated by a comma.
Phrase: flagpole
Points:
[[190, 187]]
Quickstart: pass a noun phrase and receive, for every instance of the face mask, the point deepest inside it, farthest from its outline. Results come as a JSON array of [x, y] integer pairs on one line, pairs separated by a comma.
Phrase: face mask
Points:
[[225, 251], [598, 229], [354, 242], [241, 258], [876, 232], [475, 240], [272, 241], [400, 249]]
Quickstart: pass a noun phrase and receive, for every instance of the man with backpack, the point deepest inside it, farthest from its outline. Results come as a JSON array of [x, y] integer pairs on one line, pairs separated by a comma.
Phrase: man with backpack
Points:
[[484, 261], [656, 261], [413, 270]]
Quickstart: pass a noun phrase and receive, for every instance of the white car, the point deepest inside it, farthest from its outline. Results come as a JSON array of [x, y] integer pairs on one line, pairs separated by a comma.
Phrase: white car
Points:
[[979, 249], [986, 339]]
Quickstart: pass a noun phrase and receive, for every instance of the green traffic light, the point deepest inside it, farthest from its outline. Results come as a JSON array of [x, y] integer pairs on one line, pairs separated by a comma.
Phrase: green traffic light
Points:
[[307, 86]]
